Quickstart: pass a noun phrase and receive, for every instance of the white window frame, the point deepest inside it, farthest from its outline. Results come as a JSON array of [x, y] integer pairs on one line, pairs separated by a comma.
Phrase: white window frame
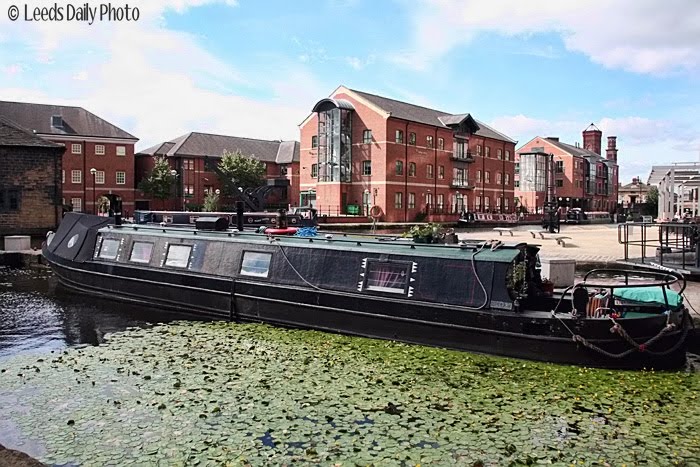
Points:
[[76, 148], [123, 182], [63, 176], [76, 176], [121, 150], [99, 149], [100, 177], [77, 204]]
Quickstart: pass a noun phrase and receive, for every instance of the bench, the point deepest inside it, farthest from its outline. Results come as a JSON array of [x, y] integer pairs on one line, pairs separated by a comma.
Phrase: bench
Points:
[[535, 232], [561, 239], [500, 230]]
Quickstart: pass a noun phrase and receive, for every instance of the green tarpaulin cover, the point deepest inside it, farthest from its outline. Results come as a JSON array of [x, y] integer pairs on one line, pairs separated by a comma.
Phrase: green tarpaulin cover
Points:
[[652, 295]]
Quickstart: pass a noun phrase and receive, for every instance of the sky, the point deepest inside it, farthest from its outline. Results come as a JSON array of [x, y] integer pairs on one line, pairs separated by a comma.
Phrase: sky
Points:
[[255, 68]]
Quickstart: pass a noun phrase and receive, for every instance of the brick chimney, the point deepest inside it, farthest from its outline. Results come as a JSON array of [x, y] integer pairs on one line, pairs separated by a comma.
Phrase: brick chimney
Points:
[[611, 151], [592, 137]]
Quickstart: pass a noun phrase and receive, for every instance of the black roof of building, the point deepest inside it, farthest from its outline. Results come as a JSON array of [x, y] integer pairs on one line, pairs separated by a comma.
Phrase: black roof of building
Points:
[[13, 135], [206, 144], [420, 114], [74, 121]]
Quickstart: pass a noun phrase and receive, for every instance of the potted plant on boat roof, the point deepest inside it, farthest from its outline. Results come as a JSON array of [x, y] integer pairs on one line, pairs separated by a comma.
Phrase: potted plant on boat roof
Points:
[[517, 280], [425, 233]]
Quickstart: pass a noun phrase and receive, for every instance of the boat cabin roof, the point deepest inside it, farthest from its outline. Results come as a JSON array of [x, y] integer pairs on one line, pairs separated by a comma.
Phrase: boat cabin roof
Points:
[[505, 253]]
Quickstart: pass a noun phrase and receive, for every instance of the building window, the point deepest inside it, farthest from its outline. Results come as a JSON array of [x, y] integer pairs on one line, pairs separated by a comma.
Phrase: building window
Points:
[[559, 166], [76, 148], [429, 199], [412, 139], [478, 149], [507, 158], [411, 169], [76, 176], [63, 176], [477, 204], [487, 177], [366, 167], [314, 141], [399, 136], [411, 201], [487, 202], [460, 149], [314, 170], [499, 154], [398, 200], [99, 149], [488, 152], [121, 178], [399, 168], [77, 204], [478, 176], [560, 183], [499, 178], [283, 170], [178, 256], [10, 200], [141, 252], [429, 170], [440, 200], [188, 191], [367, 136], [121, 150], [441, 143], [516, 184], [100, 177], [507, 182], [441, 172], [255, 264], [387, 277], [505, 202], [187, 164], [517, 167], [429, 142]]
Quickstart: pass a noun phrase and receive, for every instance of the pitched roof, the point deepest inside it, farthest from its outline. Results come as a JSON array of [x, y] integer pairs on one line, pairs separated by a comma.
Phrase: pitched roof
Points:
[[420, 114], [573, 150], [74, 120], [13, 135], [206, 144]]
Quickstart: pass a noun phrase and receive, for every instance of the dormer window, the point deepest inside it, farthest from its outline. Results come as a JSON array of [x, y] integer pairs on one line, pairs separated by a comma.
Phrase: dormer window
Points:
[[56, 121]]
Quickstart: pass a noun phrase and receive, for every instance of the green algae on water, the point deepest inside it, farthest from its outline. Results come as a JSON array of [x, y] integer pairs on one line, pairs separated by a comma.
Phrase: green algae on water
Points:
[[231, 394]]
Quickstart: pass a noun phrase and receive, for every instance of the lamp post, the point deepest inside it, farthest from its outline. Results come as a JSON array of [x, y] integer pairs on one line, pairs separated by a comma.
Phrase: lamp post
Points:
[[93, 172], [173, 172]]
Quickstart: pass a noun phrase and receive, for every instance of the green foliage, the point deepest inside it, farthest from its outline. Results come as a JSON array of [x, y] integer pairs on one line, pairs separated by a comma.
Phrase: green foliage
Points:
[[236, 171], [517, 279], [159, 183], [425, 233], [211, 202], [652, 204], [174, 395]]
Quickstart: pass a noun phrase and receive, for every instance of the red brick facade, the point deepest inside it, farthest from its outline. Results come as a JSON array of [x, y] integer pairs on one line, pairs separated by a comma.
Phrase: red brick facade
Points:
[[583, 178], [406, 179]]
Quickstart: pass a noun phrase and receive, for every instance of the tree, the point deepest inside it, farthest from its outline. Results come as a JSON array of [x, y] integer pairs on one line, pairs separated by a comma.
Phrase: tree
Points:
[[237, 172], [211, 202], [652, 204], [160, 181]]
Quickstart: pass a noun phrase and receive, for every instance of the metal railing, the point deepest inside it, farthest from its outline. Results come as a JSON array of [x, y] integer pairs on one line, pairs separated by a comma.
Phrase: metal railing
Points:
[[675, 245]]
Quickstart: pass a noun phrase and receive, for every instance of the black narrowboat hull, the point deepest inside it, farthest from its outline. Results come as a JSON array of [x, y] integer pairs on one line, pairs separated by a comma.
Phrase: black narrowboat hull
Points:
[[484, 331]]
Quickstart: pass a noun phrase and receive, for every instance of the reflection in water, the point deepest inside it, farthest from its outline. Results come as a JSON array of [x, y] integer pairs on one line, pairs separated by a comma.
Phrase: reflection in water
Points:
[[38, 315]]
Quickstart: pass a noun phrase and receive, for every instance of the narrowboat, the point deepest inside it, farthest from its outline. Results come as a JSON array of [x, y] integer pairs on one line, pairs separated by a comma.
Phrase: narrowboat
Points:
[[485, 297]]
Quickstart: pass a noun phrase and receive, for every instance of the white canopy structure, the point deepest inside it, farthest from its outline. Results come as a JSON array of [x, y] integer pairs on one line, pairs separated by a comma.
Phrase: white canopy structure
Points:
[[675, 182]]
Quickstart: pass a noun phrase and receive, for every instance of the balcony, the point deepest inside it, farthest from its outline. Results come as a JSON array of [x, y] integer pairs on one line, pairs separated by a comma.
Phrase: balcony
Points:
[[461, 183], [462, 157]]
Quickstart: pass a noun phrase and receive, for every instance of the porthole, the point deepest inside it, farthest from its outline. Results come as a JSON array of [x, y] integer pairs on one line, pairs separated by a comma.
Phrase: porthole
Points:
[[73, 240], [49, 238]]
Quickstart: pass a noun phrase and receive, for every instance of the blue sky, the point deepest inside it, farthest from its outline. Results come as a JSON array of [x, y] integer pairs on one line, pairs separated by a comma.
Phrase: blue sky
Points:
[[255, 68]]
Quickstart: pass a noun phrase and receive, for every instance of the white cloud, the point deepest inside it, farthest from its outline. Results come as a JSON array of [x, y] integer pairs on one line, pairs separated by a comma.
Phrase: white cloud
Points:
[[158, 83], [637, 35], [13, 69]]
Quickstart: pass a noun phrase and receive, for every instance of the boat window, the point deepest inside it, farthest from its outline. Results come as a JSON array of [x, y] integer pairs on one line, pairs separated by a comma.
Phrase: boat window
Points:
[[141, 252], [387, 277], [255, 264], [109, 248], [73, 240], [178, 256]]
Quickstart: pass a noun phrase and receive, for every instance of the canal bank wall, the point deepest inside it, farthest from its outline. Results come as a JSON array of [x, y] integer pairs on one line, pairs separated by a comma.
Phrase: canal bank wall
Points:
[[22, 259]]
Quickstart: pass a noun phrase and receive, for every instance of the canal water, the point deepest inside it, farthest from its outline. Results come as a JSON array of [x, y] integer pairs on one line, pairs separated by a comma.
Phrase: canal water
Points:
[[188, 392]]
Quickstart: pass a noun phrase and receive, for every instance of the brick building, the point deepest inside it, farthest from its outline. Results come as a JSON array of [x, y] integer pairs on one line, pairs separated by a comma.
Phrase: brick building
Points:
[[91, 143], [360, 150], [30, 182], [583, 177], [194, 157]]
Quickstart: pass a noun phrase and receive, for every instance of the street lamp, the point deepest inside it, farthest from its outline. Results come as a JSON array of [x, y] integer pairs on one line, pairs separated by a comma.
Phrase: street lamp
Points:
[[173, 172], [93, 172]]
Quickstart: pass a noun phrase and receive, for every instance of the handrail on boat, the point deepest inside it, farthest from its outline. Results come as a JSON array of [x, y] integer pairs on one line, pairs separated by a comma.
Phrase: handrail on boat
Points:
[[661, 279]]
